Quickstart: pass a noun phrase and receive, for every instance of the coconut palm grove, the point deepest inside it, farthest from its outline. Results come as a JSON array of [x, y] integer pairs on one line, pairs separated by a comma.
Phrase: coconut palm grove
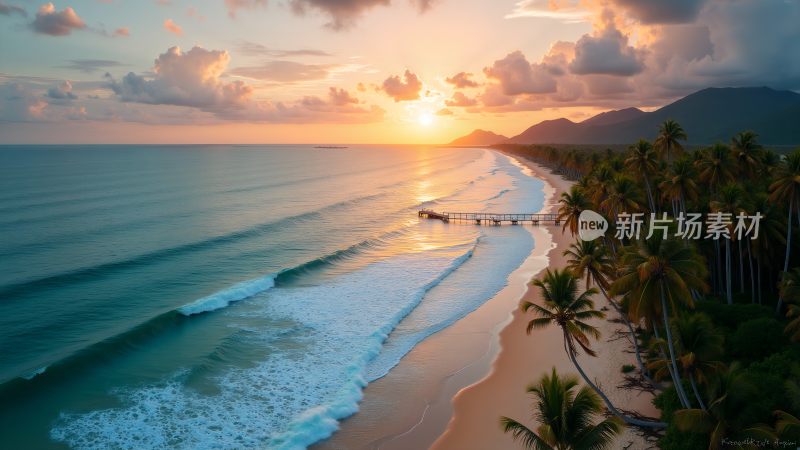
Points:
[[714, 323]]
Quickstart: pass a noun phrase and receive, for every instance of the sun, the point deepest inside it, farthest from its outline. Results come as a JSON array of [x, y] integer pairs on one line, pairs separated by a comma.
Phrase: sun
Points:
[[426, 119]]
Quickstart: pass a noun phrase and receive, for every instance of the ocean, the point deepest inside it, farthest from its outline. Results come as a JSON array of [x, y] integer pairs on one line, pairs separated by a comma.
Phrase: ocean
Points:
[[228, 297]]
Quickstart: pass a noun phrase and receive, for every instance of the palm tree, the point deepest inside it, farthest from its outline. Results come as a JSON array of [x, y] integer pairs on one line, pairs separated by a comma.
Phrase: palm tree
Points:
[[657, 277], [565, 418], [700, 347], [729, 395], [590, 259], [715, 166], [790, 292], [642, 161], [772, 234], [669, 135], [786, 189], [573, 203], [680, 184], [747, 151], [623, 196], [600, 182], [729, 201], [565, 307]]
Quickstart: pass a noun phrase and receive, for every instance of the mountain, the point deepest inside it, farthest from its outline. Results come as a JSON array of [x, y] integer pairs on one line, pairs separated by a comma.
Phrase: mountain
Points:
[[611, 117], [479, 137], [708, 116]]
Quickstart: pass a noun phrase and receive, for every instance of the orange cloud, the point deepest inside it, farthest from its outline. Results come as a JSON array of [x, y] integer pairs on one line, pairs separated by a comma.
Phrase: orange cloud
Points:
[[56, 23], [401, 90], [173, 27]]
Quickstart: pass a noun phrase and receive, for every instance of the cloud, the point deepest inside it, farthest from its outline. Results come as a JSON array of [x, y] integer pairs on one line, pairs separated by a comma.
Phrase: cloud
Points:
[[256, 49], [566, 11], [285, 71], [343, 13], [340, 97], [444, 112], [173, 27], [185, 79], [607, 53], [62, 92], [7, 10], [235, 5], [401, 90], [459, 99], [90, 65], [462, 80], [661, 12], [517, 76], [122, 32], [56, 23], [18, 104]]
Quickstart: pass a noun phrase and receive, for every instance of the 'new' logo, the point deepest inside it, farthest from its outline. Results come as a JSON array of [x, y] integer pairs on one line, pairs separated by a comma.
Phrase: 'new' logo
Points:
[[591, 225]]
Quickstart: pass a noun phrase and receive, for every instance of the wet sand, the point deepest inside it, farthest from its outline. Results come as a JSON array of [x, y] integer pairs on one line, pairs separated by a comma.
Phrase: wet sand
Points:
[[450, 391]]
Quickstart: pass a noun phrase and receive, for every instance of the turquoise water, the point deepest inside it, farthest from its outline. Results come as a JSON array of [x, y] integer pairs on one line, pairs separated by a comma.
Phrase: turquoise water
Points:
[[231, 296]]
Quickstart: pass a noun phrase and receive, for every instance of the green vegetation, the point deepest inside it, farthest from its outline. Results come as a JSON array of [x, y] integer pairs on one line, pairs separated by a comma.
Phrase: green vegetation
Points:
[[565, 418], [715, 322]]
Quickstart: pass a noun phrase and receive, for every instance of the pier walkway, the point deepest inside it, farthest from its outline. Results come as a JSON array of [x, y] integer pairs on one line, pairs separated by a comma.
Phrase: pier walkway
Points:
[[491, 218]]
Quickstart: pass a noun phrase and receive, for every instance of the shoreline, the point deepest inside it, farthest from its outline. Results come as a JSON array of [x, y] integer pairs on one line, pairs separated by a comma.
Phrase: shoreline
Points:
[[450, 390]]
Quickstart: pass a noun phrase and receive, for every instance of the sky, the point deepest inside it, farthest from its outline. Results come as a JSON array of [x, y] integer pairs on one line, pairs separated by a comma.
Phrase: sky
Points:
[[368, 71]]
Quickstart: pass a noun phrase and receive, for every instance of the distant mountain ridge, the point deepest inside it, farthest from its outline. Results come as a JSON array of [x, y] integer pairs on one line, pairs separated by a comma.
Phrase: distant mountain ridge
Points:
[[709, 115], [480, 137]]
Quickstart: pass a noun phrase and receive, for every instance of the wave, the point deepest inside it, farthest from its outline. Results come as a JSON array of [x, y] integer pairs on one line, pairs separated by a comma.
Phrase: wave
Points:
[[104, 269], [221, 299], [35, 373], [295, 396], [498, 195], [322, 421]]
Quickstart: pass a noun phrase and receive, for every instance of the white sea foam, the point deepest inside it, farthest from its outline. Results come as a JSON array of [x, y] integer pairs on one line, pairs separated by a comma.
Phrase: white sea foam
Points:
[[297, 395], [227, 296]]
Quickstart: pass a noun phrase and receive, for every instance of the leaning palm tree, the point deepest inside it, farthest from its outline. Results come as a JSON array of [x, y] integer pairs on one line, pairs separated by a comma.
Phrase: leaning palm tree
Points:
[[786, 189], [573, 203], [566, 418], [670, 133], [641, 161], [565, 307], [590, 259], [657, 277]]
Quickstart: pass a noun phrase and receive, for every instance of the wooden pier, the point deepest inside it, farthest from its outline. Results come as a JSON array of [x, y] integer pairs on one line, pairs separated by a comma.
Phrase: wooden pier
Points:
[[491, 218]]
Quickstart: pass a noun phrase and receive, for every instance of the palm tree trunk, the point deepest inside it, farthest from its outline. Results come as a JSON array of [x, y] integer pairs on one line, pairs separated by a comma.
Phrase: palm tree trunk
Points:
[[752, 274], [728, 280], [684, 401], [609, 405], [649, 193], [696, 392], [719, 266], [671, 346], [788, 252], [634, 339], [741, 267], [758, 267]]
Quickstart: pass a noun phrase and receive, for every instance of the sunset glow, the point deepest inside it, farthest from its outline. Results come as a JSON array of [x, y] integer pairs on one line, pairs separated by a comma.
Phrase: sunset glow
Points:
[[253, 71]]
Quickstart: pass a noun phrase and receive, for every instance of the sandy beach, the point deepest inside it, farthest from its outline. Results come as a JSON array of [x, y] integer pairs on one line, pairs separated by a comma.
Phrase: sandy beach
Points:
[[450, 391]]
